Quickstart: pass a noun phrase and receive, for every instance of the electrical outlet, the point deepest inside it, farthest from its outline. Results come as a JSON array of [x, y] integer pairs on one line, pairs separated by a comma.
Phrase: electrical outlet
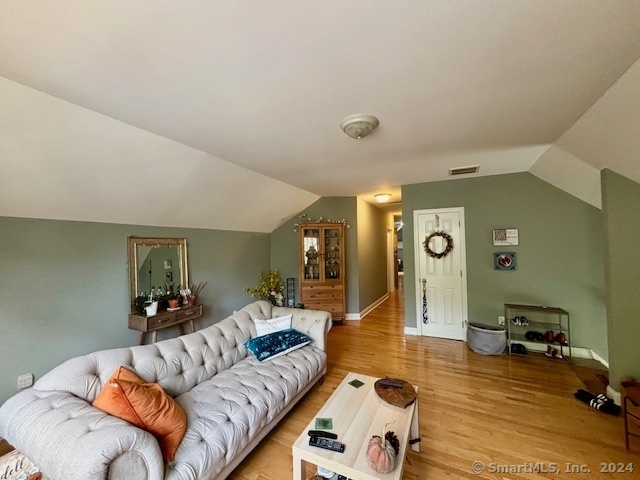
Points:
[[500, 319], [25, 380]]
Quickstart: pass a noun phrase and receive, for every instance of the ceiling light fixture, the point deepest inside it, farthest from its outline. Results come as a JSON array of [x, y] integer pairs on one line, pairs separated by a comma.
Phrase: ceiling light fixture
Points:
[[382, 197], [359, 126]]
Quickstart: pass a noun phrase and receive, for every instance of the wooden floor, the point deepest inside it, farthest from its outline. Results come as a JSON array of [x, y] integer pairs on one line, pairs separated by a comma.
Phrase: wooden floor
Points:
[[497, 410]]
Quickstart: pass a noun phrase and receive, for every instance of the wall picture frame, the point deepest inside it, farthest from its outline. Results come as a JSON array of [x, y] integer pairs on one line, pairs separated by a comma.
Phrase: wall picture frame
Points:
[[505, 261], [505, 237]]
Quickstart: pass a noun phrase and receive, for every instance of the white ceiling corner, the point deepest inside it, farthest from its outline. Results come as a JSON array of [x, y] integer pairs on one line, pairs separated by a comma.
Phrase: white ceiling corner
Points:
[[569, 173], [608, 134]]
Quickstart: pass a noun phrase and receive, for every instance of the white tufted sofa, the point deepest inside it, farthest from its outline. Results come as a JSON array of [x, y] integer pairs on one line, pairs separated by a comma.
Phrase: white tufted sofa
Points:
[[231, 400]]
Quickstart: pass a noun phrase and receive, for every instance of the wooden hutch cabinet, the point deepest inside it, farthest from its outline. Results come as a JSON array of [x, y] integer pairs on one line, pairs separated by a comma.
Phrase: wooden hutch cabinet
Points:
[[322, 273]]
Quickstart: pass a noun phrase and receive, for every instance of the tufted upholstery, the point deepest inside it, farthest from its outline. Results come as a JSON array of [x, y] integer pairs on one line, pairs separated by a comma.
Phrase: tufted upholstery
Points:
[[227, 412], [229, 397]]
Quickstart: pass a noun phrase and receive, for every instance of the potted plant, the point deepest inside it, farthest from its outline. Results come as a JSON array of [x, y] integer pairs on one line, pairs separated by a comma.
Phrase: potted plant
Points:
[[152, 308], [192, 292], [269, 288], [139, 303]]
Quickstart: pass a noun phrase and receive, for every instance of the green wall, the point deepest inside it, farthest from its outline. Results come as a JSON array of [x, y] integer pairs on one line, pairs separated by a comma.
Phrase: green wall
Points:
[[372, 253], [64, 287], [284, 244], [620, 202], [560, 256]]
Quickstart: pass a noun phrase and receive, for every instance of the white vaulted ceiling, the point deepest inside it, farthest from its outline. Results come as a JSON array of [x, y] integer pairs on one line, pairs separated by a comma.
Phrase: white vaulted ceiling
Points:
[[112, 110]]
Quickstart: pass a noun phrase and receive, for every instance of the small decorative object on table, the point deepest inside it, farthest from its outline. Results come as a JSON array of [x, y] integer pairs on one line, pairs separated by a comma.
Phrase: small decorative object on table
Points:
[[398, 396], [324, 423], [382, 451], [138, 304], [14, 465], [190, 294], [152, 309]]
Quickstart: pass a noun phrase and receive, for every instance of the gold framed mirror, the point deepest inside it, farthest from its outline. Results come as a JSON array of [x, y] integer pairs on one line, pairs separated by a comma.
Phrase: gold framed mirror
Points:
[[156, 263]]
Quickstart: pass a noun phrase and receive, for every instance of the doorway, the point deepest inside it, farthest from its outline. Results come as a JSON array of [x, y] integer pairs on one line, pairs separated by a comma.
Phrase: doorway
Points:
[[392, 269], [441, 283]]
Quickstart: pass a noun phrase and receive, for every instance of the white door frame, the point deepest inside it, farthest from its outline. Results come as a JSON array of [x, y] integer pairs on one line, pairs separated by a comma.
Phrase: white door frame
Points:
[[391, 281], [419, 250]]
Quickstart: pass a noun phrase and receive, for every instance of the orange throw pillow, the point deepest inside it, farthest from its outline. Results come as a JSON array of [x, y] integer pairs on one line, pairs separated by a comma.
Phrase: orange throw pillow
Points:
[[145, 405]]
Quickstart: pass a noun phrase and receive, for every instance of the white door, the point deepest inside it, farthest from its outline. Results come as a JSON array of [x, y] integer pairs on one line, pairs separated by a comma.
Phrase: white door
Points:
[[443, 279]]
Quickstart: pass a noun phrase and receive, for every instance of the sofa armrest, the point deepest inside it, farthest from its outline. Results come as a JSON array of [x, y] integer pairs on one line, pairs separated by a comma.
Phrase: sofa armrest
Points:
[[68, 439], [313, 323]]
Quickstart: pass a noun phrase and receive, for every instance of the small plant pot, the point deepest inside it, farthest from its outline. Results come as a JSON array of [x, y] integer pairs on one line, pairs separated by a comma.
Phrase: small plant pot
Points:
[[191, 301], [152, 309], [173, 303]]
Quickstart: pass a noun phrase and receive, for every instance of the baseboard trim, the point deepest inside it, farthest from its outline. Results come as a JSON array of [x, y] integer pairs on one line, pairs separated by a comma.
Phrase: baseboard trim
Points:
[[614, 395], [580, 352], [366, 311], [600, 359], [411, 331], [577, 352]]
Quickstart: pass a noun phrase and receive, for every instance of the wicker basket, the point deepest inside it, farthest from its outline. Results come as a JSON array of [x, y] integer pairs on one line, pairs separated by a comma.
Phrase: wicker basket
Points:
[[487, 339]]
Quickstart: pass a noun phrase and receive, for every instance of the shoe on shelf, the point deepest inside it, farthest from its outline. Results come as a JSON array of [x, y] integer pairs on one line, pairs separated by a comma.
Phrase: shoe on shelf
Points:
[[552, 352], [524, 321], [549, 336], [534, 336], [561, 338]]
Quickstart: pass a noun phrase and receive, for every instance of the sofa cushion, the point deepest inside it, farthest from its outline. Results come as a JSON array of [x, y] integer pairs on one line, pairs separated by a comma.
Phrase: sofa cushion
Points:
[[227, 412], [145, 405], [272, 325], [276, 344]]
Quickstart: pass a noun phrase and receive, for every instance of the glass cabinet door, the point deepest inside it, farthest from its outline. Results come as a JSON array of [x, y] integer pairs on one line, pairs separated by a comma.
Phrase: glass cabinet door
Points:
[[311, 246], [332, 253]]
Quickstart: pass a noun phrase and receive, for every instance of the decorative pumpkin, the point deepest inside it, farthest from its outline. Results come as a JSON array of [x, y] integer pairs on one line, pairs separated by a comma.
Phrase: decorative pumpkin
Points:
[[381, 454]]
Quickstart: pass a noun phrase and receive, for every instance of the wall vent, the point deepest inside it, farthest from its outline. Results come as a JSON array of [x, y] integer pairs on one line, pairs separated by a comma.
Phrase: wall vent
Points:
[[464, 170]]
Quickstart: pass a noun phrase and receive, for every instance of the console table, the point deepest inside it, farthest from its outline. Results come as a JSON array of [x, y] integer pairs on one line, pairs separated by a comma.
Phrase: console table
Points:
[[164, 319]]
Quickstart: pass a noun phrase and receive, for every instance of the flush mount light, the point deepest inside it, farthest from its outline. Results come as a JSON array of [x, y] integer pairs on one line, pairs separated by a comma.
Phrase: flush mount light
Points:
[[382, 197], [359, 126]]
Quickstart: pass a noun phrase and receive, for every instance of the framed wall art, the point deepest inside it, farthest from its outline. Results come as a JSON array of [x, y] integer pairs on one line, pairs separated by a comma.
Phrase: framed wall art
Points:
[[504, 261], [505, 237]]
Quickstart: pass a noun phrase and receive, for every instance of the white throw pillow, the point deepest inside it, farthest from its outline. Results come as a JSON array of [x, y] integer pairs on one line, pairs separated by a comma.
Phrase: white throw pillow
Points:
[[265, 327]]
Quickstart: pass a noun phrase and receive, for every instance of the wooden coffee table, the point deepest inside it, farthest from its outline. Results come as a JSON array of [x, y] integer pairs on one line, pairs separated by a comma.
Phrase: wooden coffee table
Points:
[[358, 414]]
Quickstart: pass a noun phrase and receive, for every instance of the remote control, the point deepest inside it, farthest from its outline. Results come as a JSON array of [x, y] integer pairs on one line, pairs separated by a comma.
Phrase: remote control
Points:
[[327, 444], [389, 382], [322, 433]]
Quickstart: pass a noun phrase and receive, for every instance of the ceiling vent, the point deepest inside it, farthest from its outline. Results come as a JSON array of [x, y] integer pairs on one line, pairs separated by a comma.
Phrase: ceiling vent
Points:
[[464, 170]]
